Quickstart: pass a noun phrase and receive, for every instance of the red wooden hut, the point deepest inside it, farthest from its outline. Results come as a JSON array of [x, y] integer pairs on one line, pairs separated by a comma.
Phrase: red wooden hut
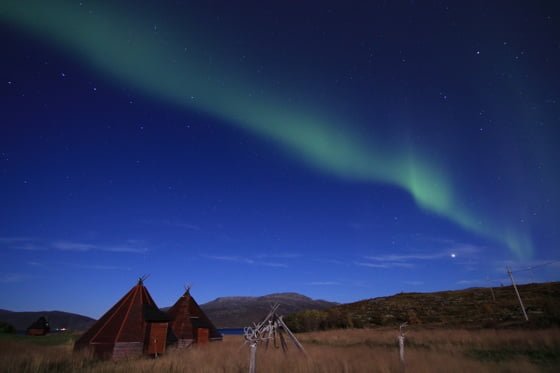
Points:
[[132, 327], [190, 324]]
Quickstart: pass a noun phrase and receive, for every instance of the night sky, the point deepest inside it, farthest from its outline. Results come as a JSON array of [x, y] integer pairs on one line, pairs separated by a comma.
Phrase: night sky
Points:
[[342, 150]]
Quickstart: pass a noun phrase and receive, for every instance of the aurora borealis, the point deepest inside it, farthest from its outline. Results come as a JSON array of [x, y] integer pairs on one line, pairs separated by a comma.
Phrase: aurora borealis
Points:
[[464, 126]]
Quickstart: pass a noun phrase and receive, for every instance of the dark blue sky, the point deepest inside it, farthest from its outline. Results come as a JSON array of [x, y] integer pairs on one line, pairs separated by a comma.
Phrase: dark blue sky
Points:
[[343, 151]]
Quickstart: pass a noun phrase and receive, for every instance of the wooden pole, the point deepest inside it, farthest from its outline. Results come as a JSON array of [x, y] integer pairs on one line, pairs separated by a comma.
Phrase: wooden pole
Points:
[[491, 290], [401, 341], [517, 293], [401, 348], [291, 335], [253, 358]]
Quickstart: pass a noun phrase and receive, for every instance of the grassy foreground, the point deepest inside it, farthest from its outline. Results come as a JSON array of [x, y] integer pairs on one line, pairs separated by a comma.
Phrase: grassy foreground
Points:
[[358, 350]]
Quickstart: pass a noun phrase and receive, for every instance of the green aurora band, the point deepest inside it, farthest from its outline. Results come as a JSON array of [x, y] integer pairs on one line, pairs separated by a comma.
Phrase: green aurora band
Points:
[[125, 47]]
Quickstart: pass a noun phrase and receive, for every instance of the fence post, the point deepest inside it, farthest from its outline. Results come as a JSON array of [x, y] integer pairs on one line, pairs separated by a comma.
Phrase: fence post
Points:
[[401, 336], [252, 358]]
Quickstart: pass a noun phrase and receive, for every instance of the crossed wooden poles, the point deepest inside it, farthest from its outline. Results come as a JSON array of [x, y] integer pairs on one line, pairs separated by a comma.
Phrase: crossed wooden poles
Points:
[[272, 328]]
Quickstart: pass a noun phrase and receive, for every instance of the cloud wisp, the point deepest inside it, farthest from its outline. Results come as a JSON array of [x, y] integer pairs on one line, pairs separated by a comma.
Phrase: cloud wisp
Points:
[[280, 256], [34, 244], [11, 278], [323, 283], [73, 246], [83, 247], [385, 264], [12, 240], [454, 251], [173, 223], [22, 243], [100, 267], [245, 260]]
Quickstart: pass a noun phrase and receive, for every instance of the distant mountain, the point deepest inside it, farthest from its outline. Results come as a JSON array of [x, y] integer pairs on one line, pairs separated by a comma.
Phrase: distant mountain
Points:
[[57, 319], [236, 312], [475, 307]]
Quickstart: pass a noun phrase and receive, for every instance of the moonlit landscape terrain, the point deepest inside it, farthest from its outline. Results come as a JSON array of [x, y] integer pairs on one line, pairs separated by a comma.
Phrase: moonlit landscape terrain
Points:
[[345, 151]]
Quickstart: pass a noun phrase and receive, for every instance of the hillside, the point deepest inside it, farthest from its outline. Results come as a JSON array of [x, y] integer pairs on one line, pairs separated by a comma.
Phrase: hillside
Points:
[[232, 312], [57, 319], [474, 307]]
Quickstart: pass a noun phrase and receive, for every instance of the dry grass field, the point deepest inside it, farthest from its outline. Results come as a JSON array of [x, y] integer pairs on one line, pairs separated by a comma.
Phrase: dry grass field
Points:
[[358, 350]]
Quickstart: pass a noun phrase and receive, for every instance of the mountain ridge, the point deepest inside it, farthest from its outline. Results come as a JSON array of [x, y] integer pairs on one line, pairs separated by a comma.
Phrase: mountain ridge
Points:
[[475, 306], [241, 311]]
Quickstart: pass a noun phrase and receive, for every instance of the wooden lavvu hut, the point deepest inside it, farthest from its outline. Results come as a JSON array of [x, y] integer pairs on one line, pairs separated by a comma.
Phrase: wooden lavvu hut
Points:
[[190, 324], [132, 327]]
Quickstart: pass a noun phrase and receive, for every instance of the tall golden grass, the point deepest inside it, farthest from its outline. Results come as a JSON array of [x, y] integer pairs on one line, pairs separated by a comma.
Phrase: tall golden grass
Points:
[[359, 350]]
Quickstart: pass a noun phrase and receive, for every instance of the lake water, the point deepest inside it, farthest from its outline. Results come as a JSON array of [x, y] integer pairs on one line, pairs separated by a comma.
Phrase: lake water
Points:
[[231, 331]]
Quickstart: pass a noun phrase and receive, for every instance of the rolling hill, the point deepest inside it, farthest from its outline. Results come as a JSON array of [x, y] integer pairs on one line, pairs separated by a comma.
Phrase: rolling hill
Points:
[[473, 307], [57, 319]]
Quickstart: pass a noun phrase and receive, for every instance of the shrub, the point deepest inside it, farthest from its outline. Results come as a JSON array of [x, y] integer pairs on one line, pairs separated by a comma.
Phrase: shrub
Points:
[[6, 328]]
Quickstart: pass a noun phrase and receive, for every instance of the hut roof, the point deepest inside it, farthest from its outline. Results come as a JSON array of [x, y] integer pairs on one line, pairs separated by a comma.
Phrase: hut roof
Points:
[[126, 320], [187, 315]]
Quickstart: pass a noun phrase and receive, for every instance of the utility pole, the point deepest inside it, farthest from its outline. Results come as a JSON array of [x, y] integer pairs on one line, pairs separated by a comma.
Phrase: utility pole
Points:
[[517, 293], [491, 290]]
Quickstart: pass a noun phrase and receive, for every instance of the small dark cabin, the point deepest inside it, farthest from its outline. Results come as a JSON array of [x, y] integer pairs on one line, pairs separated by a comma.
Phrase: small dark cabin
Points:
[[39, 327]]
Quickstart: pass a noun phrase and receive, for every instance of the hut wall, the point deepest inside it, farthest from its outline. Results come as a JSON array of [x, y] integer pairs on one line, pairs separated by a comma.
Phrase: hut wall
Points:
[[99, 350], [125, 350], [183, 343], [36, 332]]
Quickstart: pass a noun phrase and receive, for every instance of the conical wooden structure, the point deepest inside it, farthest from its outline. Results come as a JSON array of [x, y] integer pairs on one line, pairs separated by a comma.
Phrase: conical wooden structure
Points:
[[132, 327], [190, 324]]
